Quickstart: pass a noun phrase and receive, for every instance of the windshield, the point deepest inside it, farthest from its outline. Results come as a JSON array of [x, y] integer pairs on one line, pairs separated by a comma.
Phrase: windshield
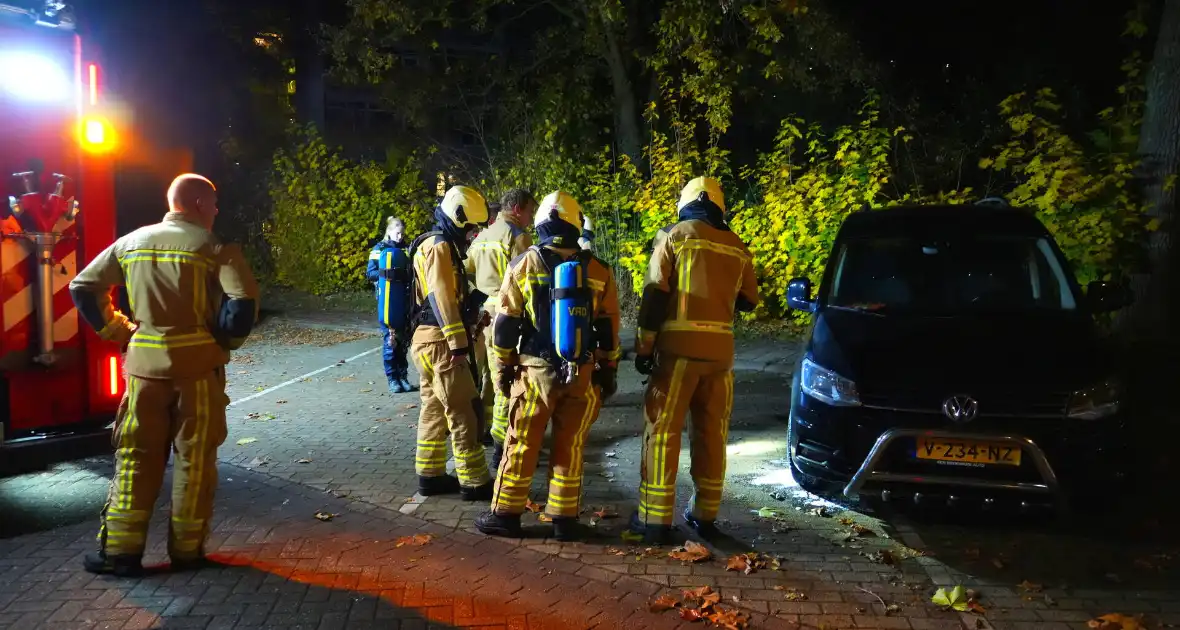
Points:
[[949, 274]]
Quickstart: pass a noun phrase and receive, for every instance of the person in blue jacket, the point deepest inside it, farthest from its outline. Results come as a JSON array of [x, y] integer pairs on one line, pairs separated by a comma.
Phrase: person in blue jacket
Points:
[[395, 343]]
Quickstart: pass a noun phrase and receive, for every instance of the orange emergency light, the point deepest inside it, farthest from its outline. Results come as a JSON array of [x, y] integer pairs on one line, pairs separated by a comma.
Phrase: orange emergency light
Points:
[[96, 133]]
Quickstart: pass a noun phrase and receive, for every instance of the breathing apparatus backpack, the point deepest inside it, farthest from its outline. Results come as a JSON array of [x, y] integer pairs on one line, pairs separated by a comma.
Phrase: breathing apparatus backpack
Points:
[[393, 288], [569, 342]]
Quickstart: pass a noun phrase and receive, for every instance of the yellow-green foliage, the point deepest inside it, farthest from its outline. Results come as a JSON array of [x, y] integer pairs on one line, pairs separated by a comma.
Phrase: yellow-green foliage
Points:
[[808, 184], [1083, 194], [328, 209]]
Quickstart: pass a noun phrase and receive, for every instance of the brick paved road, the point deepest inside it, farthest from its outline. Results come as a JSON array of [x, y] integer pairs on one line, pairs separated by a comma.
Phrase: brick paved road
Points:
[[337, 442]]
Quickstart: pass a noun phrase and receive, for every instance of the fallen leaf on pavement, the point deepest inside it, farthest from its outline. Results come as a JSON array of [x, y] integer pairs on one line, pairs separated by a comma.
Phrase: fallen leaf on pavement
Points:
[[345, 379], [662, 603], [956, 598], [883, 556], [410, 406], [383, 420], [258, 461], [728, 619], [795, 596], [303, 461], [611, 454], [691, 552], [325, 516], [607, 512], [366, 390], [417, 540], [280, 402], [245, 441], [691, 614], [748, 563], [1116, 622]]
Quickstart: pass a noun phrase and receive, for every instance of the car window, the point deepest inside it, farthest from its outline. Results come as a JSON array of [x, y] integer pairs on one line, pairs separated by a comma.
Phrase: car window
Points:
[[949, 274]]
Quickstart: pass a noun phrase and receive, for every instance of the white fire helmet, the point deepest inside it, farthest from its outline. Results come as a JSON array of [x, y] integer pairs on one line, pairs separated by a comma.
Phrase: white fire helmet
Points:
[[465, 207], [559, 206], [708, 186]]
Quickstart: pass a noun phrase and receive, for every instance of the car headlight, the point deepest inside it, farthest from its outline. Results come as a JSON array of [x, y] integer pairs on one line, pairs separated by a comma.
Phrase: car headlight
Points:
[[1095, 403], [826, 386]]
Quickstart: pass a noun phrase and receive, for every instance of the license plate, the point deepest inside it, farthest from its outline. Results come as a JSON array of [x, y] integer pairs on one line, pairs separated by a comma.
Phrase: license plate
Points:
[[945, 450]]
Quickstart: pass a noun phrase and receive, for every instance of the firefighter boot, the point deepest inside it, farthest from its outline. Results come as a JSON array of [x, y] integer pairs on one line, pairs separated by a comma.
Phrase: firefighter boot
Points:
[[568, 529], [118, 565], [443, 484], [492, 524], [478, 493], [707, 529], [653, 533]]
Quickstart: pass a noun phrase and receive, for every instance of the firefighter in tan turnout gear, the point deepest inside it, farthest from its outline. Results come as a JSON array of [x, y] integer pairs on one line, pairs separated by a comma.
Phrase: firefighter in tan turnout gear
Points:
[[441, 347], [487, 261], [192, 299], [543, 385], [700, 273]]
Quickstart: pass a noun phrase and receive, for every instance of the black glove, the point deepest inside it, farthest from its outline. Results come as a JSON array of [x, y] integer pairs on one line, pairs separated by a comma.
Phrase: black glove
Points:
[[606, 377], [644, 364], [507, 378]]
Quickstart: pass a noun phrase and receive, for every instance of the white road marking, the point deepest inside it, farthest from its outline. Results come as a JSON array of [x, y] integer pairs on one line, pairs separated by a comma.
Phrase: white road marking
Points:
[[300, 378]]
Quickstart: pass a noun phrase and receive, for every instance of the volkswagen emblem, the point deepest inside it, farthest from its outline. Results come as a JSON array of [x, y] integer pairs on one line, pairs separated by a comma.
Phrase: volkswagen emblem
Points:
[[960, 408]]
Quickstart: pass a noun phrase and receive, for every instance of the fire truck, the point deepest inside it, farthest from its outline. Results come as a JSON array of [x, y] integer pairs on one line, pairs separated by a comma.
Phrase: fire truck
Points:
[[59, 383]]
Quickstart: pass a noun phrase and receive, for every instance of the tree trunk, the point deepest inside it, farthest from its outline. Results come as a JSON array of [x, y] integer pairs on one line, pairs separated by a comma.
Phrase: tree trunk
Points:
[[309, 67], [1159, 147], [627, 134]]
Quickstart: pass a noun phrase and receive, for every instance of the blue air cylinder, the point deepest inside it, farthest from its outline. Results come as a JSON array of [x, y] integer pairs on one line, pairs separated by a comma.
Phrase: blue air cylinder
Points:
[[391, 291], [571, 311]]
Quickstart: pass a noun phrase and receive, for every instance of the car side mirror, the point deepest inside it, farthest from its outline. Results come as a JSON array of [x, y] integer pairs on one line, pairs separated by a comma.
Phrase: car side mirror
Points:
[[1107, 297], [799, 295]]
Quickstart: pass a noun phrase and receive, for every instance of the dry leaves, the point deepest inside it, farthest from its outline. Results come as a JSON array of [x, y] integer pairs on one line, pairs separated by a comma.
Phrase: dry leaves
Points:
[[857, 528], [417, 540], [303, 461], [325, 516], [409, 406], [792, 595], [245, 441], [748, 563], [1116, 622], [280, 402], [691, 552], [383, 420], [702, 604]]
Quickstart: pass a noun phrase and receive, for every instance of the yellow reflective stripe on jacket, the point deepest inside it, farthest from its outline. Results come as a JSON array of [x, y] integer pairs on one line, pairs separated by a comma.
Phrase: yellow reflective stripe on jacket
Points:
[[496, 247], [709, 327], [187, 340], [164, 255], [694, 244]]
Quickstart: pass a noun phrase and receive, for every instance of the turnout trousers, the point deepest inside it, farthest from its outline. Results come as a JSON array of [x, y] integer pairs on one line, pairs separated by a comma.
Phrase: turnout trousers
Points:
[[538, 397], [393, 354], [679, 385], [448, 397], [155, 418]]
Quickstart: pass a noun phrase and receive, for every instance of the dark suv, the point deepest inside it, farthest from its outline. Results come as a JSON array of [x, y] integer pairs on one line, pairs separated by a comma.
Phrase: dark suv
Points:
[[953, 357]]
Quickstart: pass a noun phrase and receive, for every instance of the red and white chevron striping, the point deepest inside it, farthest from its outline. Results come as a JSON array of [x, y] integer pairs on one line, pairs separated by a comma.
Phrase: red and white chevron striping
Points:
[[18, 262]]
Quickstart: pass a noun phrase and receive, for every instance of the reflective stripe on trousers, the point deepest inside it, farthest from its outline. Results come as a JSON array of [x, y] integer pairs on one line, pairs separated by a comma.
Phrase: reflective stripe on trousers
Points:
[[155, 417], [447, 393], [537, 398], [678, 386]]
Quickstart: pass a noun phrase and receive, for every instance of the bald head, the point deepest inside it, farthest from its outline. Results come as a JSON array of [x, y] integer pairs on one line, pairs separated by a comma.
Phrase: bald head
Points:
[[195, 196]]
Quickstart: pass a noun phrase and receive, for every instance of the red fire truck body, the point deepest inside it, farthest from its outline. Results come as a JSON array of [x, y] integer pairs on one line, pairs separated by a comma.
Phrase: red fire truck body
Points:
[[58, 381]]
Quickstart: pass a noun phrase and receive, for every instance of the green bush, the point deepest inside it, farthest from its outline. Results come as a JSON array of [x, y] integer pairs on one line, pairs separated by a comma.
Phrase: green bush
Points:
[[327, 210]]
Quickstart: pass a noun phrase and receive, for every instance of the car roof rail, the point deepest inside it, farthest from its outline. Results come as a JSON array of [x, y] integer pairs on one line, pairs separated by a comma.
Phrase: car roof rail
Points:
[[995, 202]]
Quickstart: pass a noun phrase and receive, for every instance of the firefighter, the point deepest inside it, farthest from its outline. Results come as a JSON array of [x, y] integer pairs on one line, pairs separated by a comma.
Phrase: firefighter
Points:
[[542, 387], [394, 343], [193, 299], [700, 272], [487, 261], [441, 347]]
